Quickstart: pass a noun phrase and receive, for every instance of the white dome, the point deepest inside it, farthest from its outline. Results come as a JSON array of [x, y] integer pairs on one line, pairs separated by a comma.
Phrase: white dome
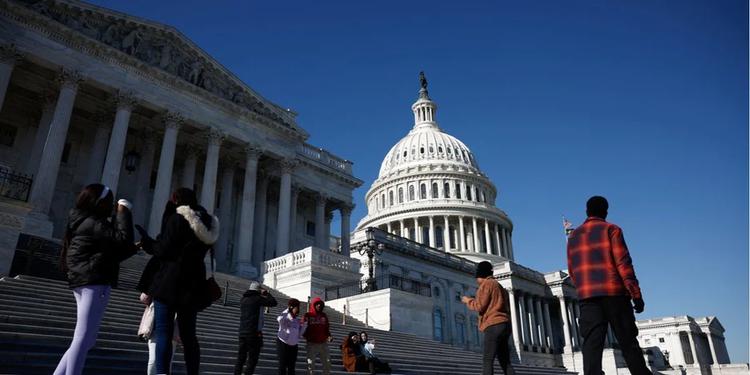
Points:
[[423, 145]]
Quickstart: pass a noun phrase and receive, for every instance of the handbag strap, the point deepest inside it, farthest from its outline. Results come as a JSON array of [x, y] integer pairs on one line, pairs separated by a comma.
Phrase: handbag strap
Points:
[[211, 250]]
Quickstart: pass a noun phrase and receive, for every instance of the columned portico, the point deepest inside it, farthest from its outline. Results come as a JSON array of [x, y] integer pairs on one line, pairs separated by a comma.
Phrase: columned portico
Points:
[[208, 191], [285, 197], [9, 56], [44, 184], [172, 123], [244, 250], [125, 102]]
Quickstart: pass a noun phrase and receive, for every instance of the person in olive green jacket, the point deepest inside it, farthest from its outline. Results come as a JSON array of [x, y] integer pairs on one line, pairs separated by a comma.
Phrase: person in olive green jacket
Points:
[[493, 307]]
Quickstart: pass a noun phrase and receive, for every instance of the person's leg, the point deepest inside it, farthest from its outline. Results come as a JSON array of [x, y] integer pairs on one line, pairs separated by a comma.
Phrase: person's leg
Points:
[[151, 369], [620, 315], [91, 302], [191, 350], [593, 328], [325, 358], [241, 355], [503, 349], [253, 353], [490, 348], [163, 331], [281, 354], [312, 351], [293, 350]]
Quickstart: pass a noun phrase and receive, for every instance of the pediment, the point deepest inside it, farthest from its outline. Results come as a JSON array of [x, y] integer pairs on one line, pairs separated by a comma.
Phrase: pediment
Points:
[[163, 47]]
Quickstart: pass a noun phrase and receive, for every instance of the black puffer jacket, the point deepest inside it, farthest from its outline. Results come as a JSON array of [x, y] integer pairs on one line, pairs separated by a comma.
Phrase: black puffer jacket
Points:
[[251, 304], [180, 251], [97, 246]]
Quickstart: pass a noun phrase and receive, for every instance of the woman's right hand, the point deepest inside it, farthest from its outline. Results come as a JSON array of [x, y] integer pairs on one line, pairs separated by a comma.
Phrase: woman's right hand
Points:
[[145, 299]]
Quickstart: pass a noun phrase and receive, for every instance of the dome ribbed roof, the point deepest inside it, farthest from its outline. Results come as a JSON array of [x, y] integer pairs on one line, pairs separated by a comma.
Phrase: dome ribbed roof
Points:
[[425, 144]]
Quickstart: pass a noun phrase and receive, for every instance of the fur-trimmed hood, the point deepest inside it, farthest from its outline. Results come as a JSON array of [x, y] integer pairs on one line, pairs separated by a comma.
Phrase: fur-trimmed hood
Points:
[[193, 217]]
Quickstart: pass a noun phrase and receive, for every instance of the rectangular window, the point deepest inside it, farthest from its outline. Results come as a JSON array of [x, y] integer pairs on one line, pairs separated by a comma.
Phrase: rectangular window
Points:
[[458, 191], [310, 230]]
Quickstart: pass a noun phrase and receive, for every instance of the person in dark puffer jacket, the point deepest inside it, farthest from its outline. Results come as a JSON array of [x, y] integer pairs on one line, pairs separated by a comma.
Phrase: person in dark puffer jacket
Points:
[[93, 247], [253, 302], [187, 237]]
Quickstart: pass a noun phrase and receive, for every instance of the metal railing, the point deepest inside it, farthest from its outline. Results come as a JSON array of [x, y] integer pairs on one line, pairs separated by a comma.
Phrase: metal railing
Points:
[[383, 282], [14, 185]]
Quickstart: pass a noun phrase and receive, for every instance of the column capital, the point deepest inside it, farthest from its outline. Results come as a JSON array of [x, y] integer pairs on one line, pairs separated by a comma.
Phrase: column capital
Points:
[[69, 78], [214, 136], [125, 100], [288, 165], [9, 54], [192, 150], [253, 151], [346, 209], [321, 199], [48, 97], [173, 120], [329, 217], [228, 161]]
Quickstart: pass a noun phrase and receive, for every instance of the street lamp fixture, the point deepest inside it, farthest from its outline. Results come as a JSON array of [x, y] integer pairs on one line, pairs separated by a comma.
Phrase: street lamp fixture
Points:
[[370, 247]]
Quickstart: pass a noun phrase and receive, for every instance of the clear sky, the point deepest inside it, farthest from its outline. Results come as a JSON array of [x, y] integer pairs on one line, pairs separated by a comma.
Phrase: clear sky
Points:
[[644, 102]]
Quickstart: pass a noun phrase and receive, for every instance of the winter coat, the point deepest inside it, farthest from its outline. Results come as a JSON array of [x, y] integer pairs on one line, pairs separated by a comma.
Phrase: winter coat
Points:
[[318, 328], [290, 328], [97, 246], [180, 251], [251, 313], [351, 356]]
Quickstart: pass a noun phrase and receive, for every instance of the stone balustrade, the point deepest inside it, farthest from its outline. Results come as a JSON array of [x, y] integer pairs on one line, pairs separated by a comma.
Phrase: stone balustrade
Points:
[[324, 157], [313, 255]]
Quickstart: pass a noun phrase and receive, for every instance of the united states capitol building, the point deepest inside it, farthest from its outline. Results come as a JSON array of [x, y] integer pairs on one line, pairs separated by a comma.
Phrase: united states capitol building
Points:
[[88, 94]]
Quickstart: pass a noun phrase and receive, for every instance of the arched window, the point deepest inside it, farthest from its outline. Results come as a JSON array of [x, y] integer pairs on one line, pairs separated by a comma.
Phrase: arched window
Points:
[[439, 237], [435, 190], [449, 150], [400, 195], [440, 149], [458, 190], [437, 325], [426, 236], [405, 153], [452, 237], [421, 150], [390, 197], [382, 199], [411, 192], [460, 329], [422, 191], [432, 149], [468, 193], [446, 190]]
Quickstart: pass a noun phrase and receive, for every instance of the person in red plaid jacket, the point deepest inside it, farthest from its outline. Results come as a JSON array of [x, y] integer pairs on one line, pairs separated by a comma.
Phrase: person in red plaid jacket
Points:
[[602, 271]]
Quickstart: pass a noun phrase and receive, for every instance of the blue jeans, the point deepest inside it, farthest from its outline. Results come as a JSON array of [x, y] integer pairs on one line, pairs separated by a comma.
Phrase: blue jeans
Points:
[[164, 318]]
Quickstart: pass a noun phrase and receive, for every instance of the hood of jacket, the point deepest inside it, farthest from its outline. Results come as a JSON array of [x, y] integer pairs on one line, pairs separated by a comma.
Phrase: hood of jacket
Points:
[[197, 217], [311, 309]]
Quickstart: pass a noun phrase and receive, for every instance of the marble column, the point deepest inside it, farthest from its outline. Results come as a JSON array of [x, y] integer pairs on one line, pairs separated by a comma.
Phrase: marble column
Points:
[[261, 218], [244, 250], [293, 218], [43, 187], [487, 241], [285, 198], [514, 315], [540, 322], [510, 244], [533, 328], [389, 227], [143, 178], [692, 347], [329, 219], [320, 219], [172, 122], [98, 150], [125, 103], [346, 213], [208, 189], [48, 110], [498, 244], [475, 235], [710, 338], [504, 239], [462, 232], [446, 234], [522, 310], [574, 324], [187, 178], [9, 56], [433, 243], [550, 342], [417, 231], [223, 257], [402, 229], [566, 325]]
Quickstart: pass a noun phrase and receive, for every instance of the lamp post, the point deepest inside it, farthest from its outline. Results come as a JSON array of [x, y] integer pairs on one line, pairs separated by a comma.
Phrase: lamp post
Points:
[[370, 247], [131, 161]]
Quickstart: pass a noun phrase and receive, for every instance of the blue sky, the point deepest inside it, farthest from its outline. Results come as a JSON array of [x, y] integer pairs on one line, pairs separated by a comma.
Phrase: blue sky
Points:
[[644, 102]]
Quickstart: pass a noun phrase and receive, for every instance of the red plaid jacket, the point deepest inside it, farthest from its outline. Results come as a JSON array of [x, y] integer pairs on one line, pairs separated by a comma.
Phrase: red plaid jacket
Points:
[[599, 262]]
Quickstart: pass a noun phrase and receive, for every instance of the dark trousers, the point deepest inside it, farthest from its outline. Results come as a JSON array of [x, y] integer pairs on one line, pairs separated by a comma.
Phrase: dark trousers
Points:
[[596, 314], [164, 318], [249, 352], [496, 345], [287, 357]]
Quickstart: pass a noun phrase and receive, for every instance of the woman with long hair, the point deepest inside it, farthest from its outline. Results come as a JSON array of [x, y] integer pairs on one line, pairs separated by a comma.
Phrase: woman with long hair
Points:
[[186, 237], [94, 244], [291, 328]]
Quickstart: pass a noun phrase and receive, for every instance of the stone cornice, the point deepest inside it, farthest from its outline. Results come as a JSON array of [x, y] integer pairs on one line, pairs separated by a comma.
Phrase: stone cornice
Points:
[[487, 212], [90, 45], [328, 171]]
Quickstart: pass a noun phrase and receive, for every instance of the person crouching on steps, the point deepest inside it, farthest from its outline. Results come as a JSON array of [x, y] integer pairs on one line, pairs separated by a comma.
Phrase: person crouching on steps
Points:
[[253, 302], [291, 329], [318, 335]]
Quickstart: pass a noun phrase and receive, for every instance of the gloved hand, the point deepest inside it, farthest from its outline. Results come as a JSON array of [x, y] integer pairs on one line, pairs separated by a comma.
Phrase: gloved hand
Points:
[[638, 305], [125, 203]]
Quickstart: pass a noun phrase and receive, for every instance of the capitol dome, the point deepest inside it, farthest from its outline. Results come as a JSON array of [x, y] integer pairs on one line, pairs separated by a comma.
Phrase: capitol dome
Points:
[[430, 190]]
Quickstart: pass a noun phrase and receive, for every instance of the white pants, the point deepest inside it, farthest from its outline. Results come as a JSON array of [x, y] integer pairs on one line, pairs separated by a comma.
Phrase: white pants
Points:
[[152, 356]]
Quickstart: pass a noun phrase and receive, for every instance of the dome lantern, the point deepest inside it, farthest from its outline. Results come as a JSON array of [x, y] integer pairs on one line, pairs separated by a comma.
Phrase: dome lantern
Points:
[[424, 109]]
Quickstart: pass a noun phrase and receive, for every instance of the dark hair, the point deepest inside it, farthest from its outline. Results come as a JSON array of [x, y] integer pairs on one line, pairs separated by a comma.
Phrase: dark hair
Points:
[[363, 333], [169, 210], [293, 302], [89, 202], [597, 206], [349, 338], [184, 197], [484, 270]]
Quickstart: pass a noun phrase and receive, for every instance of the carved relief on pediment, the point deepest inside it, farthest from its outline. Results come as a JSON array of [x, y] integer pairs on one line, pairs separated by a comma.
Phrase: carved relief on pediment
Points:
[[156, 47]]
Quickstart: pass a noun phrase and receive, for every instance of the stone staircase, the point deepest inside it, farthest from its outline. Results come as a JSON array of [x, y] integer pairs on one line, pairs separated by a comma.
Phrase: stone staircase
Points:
[[37, 318]]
